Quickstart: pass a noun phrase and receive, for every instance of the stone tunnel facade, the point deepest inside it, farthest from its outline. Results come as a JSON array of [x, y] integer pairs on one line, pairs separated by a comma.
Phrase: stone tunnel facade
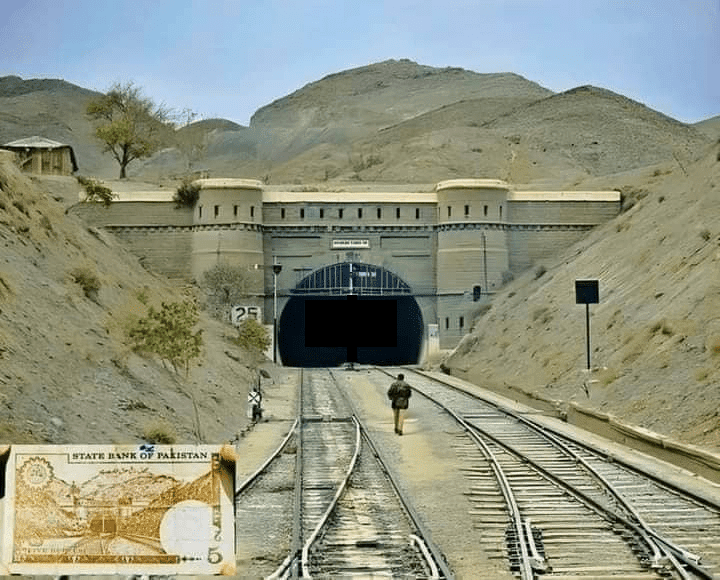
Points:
[[453, 243]]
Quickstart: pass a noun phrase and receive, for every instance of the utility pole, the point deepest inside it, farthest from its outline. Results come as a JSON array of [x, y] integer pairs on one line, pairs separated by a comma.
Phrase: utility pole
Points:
[[277, 268]]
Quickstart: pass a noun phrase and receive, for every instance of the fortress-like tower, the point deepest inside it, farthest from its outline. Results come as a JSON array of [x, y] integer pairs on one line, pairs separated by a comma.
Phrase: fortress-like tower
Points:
[[227, 229], [472, 250], [451, 245]]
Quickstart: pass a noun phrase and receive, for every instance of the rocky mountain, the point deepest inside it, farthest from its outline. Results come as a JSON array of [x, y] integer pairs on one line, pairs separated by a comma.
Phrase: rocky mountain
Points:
[[711, 127], [393, 121], [398, 121]]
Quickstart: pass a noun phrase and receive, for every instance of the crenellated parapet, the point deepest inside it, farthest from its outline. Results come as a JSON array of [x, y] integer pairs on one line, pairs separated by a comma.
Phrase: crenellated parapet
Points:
[[450, 242]]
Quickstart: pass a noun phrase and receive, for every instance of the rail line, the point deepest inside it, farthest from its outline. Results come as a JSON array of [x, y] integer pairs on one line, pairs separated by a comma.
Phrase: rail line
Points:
[[564, 511], [349, 518]]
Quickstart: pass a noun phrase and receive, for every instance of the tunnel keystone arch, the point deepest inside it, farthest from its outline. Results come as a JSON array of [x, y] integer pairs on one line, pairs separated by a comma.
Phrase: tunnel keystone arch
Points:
[[350, 312]]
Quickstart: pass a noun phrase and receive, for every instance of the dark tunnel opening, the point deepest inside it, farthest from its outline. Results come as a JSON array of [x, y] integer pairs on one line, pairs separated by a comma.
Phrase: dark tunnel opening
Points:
[[319, 331]]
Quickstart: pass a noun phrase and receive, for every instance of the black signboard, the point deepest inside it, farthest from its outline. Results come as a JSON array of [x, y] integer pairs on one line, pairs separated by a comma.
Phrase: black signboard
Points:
[[586, 292]]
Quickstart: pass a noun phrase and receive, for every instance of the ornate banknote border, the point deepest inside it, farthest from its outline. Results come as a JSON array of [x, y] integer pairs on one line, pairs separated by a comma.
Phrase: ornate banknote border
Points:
[[108, 509]]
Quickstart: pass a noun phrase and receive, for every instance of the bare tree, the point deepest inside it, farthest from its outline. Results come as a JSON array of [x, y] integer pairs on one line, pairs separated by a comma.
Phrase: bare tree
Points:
[[130, 125], [191, 138]]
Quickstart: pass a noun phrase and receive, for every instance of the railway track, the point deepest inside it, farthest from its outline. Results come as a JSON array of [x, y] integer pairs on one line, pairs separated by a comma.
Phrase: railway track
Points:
[[556, 509], [349, 517]]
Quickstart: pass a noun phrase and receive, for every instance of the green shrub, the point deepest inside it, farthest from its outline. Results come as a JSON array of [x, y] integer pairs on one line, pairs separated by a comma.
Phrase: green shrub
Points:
[[168, 333], [253, 336], [187, 194], [96, 192], [224, 286], [87, 280], [159, 434]]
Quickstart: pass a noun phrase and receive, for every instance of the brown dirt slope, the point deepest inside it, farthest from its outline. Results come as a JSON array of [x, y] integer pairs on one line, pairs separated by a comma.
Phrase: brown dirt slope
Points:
[[66, 374], [656, 332]]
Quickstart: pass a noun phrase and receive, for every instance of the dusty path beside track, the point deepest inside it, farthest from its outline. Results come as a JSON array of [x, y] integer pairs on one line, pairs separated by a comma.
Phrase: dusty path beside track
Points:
[[428, 467]]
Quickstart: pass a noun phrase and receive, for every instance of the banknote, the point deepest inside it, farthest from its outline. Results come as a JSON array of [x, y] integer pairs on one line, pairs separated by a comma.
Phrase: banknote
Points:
[[106, 509]]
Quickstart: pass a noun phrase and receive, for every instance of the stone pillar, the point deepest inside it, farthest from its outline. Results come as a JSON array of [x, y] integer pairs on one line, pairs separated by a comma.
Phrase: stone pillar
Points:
[[471, 249]]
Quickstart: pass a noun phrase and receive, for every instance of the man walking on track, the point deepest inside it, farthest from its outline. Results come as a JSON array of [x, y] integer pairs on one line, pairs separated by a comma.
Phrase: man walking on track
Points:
[[399, 393]]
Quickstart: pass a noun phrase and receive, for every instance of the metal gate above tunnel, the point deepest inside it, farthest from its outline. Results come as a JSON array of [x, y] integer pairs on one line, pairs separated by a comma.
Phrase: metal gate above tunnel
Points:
[[350, 312], [345, 278]]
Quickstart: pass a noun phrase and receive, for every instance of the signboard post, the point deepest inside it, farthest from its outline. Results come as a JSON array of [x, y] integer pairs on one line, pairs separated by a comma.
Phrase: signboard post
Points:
[[587, 293]]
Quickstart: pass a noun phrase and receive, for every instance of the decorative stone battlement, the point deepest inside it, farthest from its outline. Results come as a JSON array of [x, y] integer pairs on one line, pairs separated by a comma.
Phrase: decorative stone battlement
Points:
[[455, 240]]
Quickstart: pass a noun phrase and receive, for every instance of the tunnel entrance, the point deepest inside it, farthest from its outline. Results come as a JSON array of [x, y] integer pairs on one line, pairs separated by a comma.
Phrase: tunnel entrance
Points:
[[350, 312]]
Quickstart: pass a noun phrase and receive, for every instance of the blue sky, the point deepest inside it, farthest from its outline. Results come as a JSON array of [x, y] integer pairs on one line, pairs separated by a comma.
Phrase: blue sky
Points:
[[227, 58]]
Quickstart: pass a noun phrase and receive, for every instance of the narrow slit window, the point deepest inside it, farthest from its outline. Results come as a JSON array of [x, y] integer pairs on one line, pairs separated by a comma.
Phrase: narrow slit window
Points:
[[322, 213], [359, 212], [217, 210], [235, 211], [282, 212], [379, 212], [302, 213], [461, 322], [449, 211], [467, 210], [397, 213], [485, 210], [199, 211], [340, 213], [447, 323], [417, 213]]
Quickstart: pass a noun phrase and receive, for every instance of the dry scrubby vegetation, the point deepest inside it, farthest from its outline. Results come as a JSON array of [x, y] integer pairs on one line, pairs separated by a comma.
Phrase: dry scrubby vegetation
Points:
[[70, 297]]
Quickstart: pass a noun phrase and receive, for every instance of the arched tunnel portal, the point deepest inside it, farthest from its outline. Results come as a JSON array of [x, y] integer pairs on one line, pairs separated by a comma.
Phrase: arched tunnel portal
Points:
[[350, 312]]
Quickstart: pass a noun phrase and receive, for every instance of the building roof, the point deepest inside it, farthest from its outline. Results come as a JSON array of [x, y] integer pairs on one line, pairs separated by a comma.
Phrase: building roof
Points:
[[36, 142], [375, 197], [472, 184], [564, 196], [229, 183]]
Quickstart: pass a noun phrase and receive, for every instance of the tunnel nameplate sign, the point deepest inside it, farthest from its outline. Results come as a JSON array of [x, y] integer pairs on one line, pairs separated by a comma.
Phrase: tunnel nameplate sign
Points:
[[107, 509], [348, 244]]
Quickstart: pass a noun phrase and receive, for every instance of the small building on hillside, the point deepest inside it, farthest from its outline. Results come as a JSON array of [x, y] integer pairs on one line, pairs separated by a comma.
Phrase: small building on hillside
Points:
[[43, 156]]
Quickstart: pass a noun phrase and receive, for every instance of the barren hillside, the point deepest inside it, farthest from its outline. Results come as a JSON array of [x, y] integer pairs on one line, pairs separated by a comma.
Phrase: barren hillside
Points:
[[66, 373], [393, 121], [54, 109], [656, 332]]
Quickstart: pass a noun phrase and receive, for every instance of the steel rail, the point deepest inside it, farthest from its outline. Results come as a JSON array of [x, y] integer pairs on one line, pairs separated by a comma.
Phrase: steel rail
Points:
[[667, 550], [476, 432], [598, 452], [438, 565], [251, 478], [526, 562], [333, 503], [287, 566], [663, 549], [584, 498]]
